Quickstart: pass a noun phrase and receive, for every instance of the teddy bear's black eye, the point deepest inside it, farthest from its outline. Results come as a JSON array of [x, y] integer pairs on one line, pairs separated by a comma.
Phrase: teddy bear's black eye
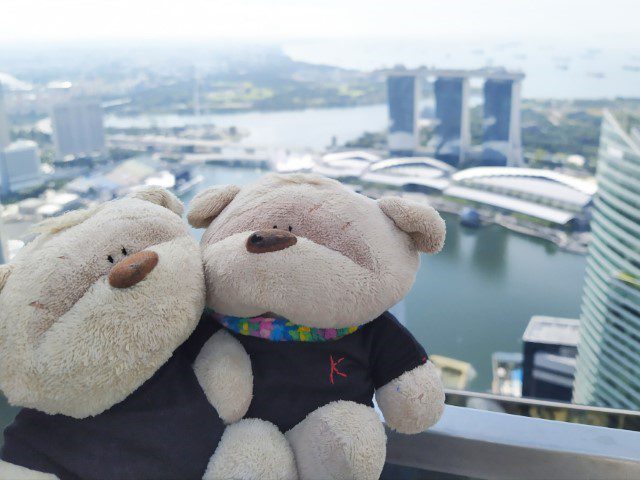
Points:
[[275, 226], [124, 251], [290, 228], [110, 258]]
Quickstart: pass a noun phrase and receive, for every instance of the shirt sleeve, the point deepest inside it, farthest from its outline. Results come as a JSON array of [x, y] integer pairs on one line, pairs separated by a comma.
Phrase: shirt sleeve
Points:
[[394, 350]]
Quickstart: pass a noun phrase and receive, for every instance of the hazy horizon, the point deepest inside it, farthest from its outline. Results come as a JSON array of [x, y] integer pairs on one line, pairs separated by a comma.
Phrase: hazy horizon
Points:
[[276, 21]]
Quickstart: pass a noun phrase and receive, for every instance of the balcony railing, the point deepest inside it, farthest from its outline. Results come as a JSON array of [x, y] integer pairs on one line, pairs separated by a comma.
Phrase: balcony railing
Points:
[[483, 444]]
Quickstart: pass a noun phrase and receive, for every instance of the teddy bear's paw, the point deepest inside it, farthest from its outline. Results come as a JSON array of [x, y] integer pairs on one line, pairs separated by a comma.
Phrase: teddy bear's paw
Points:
[[15, 472], [223, 369], [341, 440], [414, 401], [252, 449]]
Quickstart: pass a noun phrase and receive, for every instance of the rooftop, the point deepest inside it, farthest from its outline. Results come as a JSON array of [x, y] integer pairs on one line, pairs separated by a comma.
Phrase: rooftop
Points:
[[554, 330], [494, 73], [550, 214], [581, 186], [412, 162]]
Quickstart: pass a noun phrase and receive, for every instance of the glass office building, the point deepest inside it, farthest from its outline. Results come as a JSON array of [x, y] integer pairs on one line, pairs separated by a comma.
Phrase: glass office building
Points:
[[496, 122], [78, 128], [452, 133], [609, 348], [4, 123], [402, 97]]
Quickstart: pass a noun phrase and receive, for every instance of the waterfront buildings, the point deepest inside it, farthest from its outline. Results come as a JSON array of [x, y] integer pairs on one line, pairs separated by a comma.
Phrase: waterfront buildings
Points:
[[20, 167], [5, 138], [451, 139], [547, 196], [609, 348], [422, 174], [501, 142], [549, 357], [348, 165], [113, 182], [403, 96], [525, 195], [77, 128], [4, 247], [452, 136]]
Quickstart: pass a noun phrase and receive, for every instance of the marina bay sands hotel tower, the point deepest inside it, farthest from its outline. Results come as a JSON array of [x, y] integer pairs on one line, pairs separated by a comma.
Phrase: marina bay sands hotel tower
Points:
[[451, 141]]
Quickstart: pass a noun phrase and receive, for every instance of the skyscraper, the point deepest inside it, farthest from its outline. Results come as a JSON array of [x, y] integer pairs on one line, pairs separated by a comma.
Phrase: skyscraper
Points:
[[4, 123], [609, 347], [402, 96], [549, 357], [502, 144], [452, 133], [20, 167], [4, 248], [78, 128]]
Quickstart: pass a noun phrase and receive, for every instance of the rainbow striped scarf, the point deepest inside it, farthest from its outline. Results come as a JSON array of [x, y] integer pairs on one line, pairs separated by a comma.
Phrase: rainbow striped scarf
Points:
[[280, 329]]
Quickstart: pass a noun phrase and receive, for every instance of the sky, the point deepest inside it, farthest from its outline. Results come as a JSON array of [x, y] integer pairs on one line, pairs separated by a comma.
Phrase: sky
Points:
[[74, 20]]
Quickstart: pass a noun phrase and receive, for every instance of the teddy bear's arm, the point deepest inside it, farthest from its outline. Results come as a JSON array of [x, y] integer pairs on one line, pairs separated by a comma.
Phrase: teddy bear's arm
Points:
[[9, 470], [414, 401], [223, 369]]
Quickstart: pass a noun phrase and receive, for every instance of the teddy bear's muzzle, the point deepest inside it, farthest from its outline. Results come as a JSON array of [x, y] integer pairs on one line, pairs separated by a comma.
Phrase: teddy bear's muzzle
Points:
[[264, 241], [133, 269]]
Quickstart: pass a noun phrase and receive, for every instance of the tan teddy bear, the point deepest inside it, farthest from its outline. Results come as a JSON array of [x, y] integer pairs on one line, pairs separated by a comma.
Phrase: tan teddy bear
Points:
[[97, 341], [301, 271]]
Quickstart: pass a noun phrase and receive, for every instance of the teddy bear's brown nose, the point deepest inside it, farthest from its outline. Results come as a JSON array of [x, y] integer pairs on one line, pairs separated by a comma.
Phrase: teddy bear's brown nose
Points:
[[133, 269], [264, 241]]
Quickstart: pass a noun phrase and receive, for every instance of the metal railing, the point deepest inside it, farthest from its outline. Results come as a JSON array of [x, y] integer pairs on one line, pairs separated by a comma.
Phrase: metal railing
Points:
[[482, 444], [547, 409]]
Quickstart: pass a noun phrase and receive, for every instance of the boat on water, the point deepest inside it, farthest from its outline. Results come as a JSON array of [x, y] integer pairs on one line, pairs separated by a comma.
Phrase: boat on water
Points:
[[455, 374]]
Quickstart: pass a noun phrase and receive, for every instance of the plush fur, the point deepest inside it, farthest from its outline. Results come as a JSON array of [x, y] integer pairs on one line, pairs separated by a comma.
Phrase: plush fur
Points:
[[342, 270], [341, 440], [208, 204], [414, 401], [5, 271], [9, 471], [353, 258], [223, 369], [420, 221], [252, 450], [69, 342]]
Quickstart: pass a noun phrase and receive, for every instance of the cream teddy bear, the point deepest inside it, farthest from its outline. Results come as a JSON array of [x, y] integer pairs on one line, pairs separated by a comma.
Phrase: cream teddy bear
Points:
[[301, 270], [98, 337]]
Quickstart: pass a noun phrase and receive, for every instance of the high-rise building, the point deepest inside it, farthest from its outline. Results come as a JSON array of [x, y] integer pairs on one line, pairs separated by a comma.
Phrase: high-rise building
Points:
[[77, 128], [4, 247], [4, 123], [609, 348], [402, 96], [502, 145], [452, 135], [20, 167], [549, 357]]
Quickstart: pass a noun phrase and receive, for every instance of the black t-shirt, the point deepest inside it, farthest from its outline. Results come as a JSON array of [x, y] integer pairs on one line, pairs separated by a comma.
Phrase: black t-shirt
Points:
[[164, 430], [292, 378]]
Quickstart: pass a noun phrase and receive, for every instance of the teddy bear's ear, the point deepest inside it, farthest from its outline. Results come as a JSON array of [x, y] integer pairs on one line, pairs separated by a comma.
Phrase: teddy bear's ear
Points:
[[5, 271], [421, 221], [208, 204], [159, 196]]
